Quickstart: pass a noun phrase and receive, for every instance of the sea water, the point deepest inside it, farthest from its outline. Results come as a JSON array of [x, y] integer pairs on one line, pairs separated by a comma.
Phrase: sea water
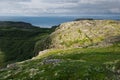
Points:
[[49, 21]]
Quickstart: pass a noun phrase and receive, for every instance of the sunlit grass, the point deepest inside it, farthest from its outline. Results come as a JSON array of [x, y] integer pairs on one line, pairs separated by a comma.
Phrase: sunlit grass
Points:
[[75, 64]]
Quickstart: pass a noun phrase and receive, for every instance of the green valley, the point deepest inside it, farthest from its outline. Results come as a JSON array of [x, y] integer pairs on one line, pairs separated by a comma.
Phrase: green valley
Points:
[[18, 44]]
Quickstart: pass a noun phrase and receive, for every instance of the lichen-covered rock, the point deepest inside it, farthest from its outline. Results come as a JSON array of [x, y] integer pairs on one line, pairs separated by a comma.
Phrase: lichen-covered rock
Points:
[[12, 66], [51, 61], [84, 33]]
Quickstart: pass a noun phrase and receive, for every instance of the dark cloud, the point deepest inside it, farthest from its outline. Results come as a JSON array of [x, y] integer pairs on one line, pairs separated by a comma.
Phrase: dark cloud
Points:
[[14, 0], [58, 7]]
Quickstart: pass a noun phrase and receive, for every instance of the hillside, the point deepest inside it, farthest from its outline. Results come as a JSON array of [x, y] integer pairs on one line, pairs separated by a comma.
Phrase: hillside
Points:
[[84, 33], [11, 24], [78, 50], [18, 41], [71, 64]]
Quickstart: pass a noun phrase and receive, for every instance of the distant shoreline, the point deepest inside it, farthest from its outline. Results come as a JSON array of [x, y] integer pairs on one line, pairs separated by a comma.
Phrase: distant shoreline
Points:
[[52, 21]]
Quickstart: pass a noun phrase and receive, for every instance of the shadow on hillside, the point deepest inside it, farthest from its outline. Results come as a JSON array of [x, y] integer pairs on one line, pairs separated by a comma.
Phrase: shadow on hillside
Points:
[[16, 50], [18, 44]]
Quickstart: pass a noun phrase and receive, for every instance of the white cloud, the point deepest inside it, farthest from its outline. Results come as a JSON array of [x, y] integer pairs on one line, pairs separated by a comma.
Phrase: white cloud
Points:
[[58, 7]]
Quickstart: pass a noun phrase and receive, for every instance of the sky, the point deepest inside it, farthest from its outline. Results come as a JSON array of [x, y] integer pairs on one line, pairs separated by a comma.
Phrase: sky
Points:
[[58, 7]]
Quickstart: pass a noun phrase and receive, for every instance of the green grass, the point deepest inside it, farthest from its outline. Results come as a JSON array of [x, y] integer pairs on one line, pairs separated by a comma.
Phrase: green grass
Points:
[[75, 64], [1, 58]]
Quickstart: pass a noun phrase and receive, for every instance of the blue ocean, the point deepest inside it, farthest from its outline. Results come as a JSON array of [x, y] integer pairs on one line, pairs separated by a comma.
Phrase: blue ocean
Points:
[[52, 20]]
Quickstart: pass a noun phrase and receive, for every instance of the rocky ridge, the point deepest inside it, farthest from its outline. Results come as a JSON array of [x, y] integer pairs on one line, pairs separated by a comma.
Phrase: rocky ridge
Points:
[[84, 33]]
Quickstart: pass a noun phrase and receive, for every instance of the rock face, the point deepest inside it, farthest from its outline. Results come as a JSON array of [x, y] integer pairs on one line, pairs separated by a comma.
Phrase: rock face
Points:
[[15, 24], [84, 33]]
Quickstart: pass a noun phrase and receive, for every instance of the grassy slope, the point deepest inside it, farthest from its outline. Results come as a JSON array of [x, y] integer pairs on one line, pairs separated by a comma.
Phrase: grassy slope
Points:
[[70, 64], [19, 44]]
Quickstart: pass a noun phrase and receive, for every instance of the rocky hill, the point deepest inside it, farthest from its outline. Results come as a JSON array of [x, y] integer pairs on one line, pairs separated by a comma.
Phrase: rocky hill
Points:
[[84, 33]]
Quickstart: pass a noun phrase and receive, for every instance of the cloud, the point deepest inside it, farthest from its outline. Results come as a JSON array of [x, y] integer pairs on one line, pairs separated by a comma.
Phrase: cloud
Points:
[[14, 0], [115, 10], [58, 7]]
